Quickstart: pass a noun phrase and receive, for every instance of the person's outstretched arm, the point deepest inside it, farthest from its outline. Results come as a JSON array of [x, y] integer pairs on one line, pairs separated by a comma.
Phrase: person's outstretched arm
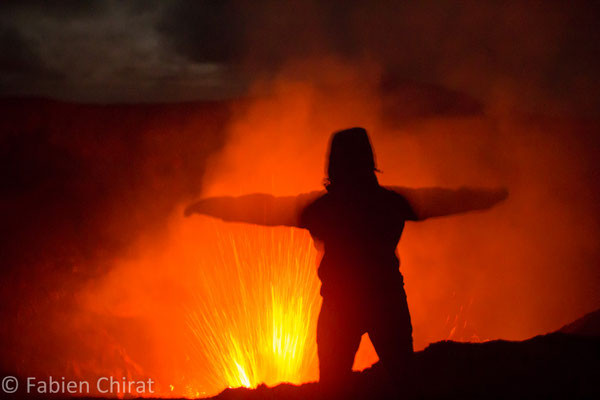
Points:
[[438, 202], [257, 208]]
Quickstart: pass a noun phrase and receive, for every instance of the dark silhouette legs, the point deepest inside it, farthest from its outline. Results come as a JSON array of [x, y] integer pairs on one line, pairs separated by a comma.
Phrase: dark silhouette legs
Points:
[[390, 332], [341, 324], [338, 338]]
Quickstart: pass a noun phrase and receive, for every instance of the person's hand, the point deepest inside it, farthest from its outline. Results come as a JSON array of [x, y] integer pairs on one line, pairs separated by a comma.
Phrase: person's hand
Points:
[[205, 206], [189, 210], [502, 193]]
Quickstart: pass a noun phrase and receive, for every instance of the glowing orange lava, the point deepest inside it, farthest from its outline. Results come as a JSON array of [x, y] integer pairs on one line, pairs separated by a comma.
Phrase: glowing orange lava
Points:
[[253, 319]]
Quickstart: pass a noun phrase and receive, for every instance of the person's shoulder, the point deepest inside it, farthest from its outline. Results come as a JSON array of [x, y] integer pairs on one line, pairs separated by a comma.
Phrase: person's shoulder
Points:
[[399, 202], [316, 200], [391, 193], [313, 209]]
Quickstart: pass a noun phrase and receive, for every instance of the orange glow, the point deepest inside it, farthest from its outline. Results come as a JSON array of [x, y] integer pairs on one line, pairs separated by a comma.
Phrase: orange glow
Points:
[[232, 305], [229, 305], [203, 305]]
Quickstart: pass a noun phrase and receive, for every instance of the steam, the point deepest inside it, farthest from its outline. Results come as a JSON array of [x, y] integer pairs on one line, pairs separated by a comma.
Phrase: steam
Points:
[[511, 272]]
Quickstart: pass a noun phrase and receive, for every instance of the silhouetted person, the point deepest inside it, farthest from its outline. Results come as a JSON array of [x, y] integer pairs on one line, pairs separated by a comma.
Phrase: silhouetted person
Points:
[[357, 223]]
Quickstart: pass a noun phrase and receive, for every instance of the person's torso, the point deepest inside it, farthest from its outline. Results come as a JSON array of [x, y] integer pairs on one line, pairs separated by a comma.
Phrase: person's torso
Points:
[[360, 231]]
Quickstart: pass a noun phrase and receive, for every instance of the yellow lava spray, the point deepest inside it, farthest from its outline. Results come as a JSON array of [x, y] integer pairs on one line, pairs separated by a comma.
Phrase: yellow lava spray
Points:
[[254, 317]]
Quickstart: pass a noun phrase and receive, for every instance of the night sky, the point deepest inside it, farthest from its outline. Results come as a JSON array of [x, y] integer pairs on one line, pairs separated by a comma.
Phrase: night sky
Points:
[[541, 55]]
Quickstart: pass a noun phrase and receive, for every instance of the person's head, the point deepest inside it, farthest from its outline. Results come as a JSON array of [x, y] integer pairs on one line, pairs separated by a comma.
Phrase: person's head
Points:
[[351, 161]]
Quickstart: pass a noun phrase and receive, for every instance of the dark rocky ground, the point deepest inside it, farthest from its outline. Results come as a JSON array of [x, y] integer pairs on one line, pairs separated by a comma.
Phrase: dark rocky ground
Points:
[[561, 365], [556, 365]]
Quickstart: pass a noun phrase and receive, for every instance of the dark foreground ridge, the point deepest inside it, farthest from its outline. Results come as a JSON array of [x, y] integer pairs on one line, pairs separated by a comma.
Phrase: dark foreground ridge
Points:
[[558, 365]]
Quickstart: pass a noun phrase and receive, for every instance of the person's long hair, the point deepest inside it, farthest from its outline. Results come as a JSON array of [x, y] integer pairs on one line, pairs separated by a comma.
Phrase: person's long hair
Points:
[[351, 163]]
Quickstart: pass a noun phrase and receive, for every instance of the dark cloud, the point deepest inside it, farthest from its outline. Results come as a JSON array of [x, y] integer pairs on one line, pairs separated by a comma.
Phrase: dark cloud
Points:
[[204, 31], [18, 55], [113, 54], [541, 55], [59, 8], [544, 54]]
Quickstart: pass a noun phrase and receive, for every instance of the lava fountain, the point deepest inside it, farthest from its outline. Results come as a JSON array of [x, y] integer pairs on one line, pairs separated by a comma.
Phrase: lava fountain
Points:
[[253, 317]]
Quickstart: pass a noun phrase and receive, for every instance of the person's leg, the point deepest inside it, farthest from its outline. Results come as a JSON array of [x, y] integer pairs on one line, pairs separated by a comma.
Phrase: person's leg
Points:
[[338, 338], [390, 331]]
